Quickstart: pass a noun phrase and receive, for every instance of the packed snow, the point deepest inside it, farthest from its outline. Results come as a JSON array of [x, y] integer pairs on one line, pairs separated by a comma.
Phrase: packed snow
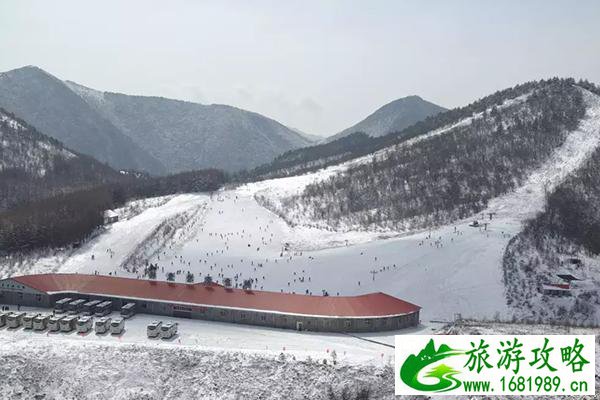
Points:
[[41, 365], [72, 366], [578, 147], [455, 269], [217, 336], [231, 235]]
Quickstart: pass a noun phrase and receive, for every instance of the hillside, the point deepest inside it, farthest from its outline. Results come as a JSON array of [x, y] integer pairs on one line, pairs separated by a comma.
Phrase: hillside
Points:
[[566, 229], [358, 144], [185, 136], [48, 104], [52, 196], [305, 159], [34, 166], [499, 155], [393, 117], [450, 171]]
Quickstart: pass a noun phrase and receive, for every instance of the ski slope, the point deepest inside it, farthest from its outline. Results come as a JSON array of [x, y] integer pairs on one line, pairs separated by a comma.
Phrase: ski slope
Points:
[[455, 269]]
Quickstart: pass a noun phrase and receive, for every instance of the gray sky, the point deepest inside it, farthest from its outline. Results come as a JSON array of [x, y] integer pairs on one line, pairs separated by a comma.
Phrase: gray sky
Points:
[[319, 66]]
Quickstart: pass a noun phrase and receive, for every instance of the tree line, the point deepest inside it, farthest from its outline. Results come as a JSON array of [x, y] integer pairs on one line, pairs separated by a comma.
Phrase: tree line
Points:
[[68, 218]]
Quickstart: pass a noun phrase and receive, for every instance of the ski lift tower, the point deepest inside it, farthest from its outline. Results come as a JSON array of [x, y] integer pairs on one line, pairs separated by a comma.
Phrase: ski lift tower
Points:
[[373, 272]]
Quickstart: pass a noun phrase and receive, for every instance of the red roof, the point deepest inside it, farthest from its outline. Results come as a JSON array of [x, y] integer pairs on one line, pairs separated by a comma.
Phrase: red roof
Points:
[[368, 305], [558, 285]]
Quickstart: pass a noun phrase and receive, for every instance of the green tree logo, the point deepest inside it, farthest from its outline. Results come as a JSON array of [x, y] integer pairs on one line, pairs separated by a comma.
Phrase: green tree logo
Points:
[[414, 364]]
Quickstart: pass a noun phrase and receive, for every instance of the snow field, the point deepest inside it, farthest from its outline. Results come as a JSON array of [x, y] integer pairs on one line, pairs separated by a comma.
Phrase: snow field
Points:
[[448, 270], [71, 369], [217, 336]]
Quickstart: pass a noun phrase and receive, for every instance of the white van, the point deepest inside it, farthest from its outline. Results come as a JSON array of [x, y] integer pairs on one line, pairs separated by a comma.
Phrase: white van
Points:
[[84, 324], [153, 329], [40, 322], [15, 320], [168, 330], [102, 325], [28, 320], [117, 326], [3, 316], [53, 323]]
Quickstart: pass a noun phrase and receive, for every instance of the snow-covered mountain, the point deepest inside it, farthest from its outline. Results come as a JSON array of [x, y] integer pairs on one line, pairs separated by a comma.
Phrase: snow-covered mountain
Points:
[[452, 166], [34, 166], [393, 117], [400, 218], [185, 136], [153, 134], [48, 104]]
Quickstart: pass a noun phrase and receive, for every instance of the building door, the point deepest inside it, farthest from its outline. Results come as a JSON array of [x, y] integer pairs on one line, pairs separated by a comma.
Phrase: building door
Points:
[[299, 326]]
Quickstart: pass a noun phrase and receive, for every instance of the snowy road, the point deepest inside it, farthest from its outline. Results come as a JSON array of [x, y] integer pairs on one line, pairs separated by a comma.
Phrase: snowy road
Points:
[[36, 366]]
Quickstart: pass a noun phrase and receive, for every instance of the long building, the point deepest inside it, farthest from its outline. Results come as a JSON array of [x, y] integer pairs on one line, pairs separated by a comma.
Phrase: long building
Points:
[[364, 313]]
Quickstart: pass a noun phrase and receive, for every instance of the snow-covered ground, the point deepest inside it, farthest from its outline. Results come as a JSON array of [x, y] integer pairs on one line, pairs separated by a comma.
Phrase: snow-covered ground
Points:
[[217, 336], [443, 270], [138, 222], [455, 269], [205, 360], [450, 270], [579, 145], [69, 366]]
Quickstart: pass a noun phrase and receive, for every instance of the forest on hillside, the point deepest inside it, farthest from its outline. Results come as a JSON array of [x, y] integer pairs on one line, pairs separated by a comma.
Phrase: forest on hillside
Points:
[[568, 228], [70, 217], [52, 196], [34, 166], [449, 176], [312, 158]]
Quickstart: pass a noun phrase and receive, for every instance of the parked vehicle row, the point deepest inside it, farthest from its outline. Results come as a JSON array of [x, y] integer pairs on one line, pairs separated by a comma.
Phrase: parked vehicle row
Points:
[[98, 308], [115, 326], [156, 329], [65, 319], [62, 323]]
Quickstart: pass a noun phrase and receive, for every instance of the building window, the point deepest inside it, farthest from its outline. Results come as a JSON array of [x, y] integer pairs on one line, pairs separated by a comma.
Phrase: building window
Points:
[[243, 315], [263, 317]]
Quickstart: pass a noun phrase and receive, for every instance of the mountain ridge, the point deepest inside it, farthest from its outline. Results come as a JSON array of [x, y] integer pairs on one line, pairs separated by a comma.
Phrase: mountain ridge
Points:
[[34, 166], [393, 116], [185, 135], [150, 133], [44, 101]]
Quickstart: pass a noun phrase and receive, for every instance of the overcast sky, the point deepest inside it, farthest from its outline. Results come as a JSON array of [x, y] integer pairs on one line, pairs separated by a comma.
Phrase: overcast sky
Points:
[[319, 66]]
